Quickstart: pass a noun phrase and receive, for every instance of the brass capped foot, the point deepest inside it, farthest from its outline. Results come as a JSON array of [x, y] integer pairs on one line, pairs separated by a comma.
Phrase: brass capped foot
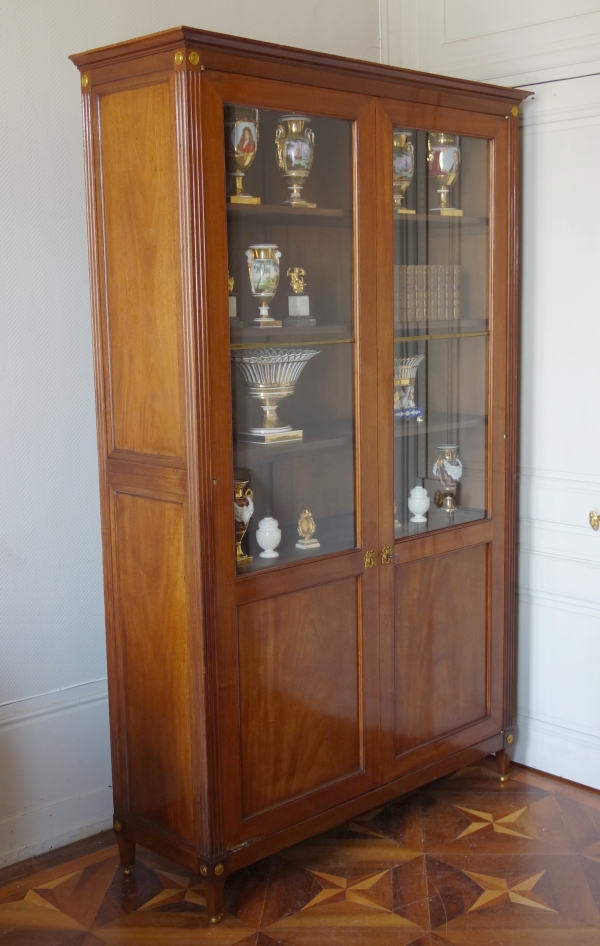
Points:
[[217, 918], [504, 778], [128, 871]]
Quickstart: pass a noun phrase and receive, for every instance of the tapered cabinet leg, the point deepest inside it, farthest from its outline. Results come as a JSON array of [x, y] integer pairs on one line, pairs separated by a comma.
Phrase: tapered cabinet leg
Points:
[[213, 891], [503, 764], [126, 854]]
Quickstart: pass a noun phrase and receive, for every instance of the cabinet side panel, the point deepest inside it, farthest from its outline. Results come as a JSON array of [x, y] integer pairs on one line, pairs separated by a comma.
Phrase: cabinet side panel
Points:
[[143, 292], [441, 649], [153, 656], [299, 660]]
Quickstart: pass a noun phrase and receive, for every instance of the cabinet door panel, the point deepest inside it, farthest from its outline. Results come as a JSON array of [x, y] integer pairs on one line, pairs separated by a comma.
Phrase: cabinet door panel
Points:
[[299, 660], [444, 377], [440, 646], [298, 618]]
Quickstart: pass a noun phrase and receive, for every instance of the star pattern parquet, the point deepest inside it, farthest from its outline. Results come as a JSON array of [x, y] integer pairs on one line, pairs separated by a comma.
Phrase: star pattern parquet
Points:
[[466, 861]]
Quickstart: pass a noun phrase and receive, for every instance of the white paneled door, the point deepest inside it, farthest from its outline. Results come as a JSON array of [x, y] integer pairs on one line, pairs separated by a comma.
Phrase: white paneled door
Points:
[[548, 46], [559, 626]]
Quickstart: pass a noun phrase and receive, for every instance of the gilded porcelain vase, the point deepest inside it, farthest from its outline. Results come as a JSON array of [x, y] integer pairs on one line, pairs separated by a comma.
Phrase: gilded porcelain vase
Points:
[[295, 146]]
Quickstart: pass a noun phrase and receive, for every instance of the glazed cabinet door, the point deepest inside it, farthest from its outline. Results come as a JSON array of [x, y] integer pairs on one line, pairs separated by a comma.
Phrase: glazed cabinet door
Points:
[[443, 304], [289, 178]]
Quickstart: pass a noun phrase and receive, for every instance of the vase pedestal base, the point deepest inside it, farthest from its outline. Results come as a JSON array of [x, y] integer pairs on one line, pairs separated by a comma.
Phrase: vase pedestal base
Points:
[[308, 544], [267, 322], [446, 211], [243, 199]]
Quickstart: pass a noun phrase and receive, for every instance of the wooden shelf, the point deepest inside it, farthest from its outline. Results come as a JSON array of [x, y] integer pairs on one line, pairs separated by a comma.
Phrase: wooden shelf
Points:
[[285, 214], [427, 329], [335, 533], [430, 326], [410, 428], [250, 335], [247, 454], [437, 519], [437, 220]]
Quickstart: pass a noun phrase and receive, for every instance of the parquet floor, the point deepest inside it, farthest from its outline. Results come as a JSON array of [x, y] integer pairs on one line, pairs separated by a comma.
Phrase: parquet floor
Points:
[[465, 861]]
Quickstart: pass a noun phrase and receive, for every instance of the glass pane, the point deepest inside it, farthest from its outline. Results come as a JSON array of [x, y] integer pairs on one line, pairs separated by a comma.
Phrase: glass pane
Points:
[[289, 210], [440, 193]]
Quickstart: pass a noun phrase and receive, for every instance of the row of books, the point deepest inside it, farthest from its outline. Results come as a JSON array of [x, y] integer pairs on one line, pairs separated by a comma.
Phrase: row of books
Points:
[[427, 293]]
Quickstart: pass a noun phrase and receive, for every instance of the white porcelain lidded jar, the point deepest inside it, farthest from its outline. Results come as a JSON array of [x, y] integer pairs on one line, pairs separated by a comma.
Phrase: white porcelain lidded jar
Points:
[[418, 503], [268, 536]]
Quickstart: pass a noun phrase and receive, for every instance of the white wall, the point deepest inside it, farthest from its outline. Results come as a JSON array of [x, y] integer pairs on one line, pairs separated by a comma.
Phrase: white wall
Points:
[[520, 42], [54, 755], [512, 43]]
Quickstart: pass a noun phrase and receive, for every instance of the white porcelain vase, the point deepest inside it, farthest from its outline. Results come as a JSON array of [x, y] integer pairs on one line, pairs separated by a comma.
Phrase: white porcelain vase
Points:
[[268, 536], [418, 503]]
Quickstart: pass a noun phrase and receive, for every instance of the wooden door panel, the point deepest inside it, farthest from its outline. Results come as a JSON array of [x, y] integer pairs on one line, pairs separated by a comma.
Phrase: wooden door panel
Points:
[[441, 646], [299, 660], [153, 656], [143, 292]]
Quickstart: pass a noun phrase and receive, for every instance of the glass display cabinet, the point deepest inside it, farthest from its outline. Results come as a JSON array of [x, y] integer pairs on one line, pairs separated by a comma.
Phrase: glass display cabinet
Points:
[[304, 298]]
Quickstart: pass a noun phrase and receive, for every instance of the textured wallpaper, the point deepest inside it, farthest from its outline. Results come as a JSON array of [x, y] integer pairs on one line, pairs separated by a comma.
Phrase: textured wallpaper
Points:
[[51, 608]]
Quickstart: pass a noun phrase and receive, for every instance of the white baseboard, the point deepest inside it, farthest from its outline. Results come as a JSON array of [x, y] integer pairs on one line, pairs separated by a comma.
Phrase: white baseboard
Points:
[[55, 776], [78, 817], [558, 750]]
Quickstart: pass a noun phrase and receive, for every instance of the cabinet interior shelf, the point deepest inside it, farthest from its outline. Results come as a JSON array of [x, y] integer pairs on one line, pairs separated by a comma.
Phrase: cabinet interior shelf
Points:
[[439, 336], [335, 533], [256, 453], [404, 428], [284, 213], [437, 519], [436, 326], [440, 221], [254, 337]]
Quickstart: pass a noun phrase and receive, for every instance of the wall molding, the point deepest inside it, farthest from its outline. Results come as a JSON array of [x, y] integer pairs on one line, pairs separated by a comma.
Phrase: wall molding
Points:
[[542, 116], [88, 814], [558, 602], [549, 62], [543, 48], [53, 789], [384, 31], [576, 729], [572, 753], [561, 556], [552, 525], [563, 479], [76, 697], [548, 125], [529, 24]]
